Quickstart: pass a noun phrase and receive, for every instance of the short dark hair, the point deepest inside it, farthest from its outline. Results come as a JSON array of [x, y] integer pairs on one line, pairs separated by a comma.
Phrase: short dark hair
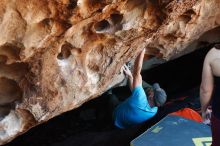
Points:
[[217, 46]]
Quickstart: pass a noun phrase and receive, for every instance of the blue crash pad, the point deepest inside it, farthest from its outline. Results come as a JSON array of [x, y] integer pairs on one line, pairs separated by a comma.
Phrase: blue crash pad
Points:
[[175, 131]]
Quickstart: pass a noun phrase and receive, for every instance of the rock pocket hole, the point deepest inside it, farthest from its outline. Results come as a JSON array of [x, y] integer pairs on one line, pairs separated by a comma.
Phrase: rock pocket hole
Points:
[[99, 11], [152, 51], [101, 26], [116, 18], [46, 22], [187, 16], [170, 37], [4, 111], [9, 91], [65, 51], [72, 4], [10, 51], [189, 13], [15, 71]]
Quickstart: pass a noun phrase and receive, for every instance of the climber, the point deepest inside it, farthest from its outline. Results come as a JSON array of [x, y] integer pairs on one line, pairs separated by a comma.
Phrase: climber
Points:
[[210, 83], [138, 108]]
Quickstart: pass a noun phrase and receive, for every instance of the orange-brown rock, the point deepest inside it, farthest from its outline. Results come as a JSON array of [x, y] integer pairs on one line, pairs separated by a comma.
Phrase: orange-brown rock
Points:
[[57, 54]]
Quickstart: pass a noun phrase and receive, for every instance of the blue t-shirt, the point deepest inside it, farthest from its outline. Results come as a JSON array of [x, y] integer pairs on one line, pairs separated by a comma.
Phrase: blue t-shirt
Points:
[[134, 110]]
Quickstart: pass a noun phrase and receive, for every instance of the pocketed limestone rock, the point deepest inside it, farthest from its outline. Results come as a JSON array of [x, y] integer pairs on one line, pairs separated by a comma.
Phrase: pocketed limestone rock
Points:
[[56, 55]]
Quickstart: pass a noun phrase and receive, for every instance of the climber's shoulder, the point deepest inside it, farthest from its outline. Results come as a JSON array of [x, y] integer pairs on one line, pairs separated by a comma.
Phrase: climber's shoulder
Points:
[[213, 54]]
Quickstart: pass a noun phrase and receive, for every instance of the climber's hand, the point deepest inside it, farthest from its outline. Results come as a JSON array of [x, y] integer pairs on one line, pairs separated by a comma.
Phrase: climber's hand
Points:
[[127, 71]]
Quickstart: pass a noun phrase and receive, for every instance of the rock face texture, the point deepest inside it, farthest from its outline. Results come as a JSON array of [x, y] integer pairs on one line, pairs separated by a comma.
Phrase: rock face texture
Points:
[[57, 54]]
